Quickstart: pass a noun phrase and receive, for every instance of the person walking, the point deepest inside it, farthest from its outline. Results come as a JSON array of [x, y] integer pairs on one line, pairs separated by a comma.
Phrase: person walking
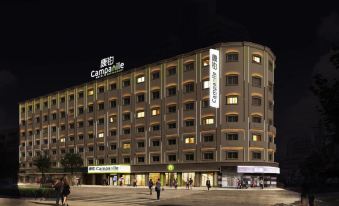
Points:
[[262, 183], [175, 183], [190, 183], [187, 184], [150, 185], [59, 187], [208, 184], [66, 191], [158, 188]]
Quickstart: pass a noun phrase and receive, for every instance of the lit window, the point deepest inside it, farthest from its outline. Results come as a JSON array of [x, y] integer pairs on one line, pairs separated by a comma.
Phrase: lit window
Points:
[[126, 145], [209, 120], [232, 100], [256, 137], [155, 111], [205, 62], [206, 84], [101, 135], [256, 59], [189, 140], [141, 114], [141, 79], [112, 119], [90, 92], [62, 139]]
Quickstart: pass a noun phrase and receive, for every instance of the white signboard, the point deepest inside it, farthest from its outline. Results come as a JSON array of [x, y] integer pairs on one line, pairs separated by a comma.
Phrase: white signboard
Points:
[[214, 78], [258, 169], [107, 67], [109, 169]]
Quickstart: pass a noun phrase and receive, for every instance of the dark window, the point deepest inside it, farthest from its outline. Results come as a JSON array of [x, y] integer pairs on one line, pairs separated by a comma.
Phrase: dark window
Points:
[[113, 160], [101, 121], [113, 103], [101, 89], [113, 146], [172, 142], [205, 103], [141, 159], [232, 155], [156, 158], [172, 109], [256, 81], [54, 140], [141, 144], [189, 123], [126, 83], [171, 91], [232, 118], [232, 79], [81, 110], [101, 106], [54, 116], [189, 106], [80, 137], [171, 71], [71, 97], [81, 124], [156, 94], [90, 136], [126, 116], [156, 75], [63, 127], [45, 118], [270, 105], [81, 149], [113, 86], [90, 122], [127, 160], [232, 136], [63, 114], [172, 125], [90, 108], [126, 100], [208, 138], [53, 129], [80, 94], [256, 101], [172, 157], [256, 155], [46, 104], [189, 156], [54, 102], [270, 87], [90, 149], [45, 141], [37, 106], [270, 157], [101, 148], [127, 131], [156, 127], [256, 119], [189, 87], [71, 150], [101, 161], [90, 162], [113, 133], [62, 99], [232, 57], [270, 66], [141, 129], [141, 98], [155, 143], [208, 155], [189, 66]]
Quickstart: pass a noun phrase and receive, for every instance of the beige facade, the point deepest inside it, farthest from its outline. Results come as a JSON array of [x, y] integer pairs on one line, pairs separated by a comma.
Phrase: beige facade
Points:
[[158, 114]]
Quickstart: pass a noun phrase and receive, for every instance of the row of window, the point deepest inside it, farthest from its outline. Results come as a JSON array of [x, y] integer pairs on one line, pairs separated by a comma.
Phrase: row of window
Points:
[[171, 91], [256, 137]]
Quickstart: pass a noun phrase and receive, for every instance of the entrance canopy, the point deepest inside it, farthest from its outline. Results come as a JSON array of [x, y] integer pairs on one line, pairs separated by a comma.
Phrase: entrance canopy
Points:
[[109, 169], [258, 169]]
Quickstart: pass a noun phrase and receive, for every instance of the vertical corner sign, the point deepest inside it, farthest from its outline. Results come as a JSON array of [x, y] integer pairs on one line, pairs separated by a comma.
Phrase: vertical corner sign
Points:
[[214, 78]]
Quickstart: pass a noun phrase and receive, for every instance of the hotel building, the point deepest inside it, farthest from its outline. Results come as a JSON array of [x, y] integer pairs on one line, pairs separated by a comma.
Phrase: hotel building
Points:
[[156, 119]]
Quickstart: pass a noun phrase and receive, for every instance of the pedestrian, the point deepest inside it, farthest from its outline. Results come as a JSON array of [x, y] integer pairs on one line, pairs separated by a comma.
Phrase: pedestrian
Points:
[[66, 191], [187, 184], [175, 183], [58, 187], [262, 183], [120, 181], [191, 183], [158, 188], [150, 185], [134, 182], [208, 184]]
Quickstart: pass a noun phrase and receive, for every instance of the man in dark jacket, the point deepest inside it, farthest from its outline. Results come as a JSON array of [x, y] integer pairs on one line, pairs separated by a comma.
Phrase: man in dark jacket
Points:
[[158, 188], [208, 184], [59, 187]]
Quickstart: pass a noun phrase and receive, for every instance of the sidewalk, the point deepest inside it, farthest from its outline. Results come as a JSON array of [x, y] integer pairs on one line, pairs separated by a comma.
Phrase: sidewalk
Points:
[[179, 188]]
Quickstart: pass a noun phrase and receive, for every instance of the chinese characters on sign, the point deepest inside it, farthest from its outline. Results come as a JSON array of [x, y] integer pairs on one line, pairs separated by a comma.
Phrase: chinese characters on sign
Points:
[[214, 78], [107, 67]]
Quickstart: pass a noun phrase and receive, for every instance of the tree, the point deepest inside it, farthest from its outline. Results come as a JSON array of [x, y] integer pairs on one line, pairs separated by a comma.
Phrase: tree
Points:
[[43, 163], [71, 162]]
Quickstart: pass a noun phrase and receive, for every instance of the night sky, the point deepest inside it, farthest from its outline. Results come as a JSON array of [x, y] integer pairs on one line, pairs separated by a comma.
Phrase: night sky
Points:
[[47, 47]]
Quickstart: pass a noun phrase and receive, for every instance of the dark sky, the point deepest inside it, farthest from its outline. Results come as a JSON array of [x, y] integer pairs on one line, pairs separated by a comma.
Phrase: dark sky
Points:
[[46, 47]]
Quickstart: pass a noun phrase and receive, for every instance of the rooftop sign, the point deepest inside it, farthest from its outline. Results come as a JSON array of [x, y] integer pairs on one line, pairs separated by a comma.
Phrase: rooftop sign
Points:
[[107, 67]]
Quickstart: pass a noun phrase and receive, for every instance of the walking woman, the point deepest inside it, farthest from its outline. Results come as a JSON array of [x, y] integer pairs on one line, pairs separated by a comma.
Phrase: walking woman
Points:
[[66, 191]]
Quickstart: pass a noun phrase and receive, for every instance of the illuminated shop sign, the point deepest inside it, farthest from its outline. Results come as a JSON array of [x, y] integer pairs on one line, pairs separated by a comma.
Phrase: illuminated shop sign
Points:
[[258, 169], [214, 78], [170, 167], [107, 67], [109, 169]]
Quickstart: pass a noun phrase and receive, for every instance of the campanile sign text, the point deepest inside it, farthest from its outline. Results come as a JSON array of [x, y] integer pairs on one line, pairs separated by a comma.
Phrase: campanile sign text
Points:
[[214, 78]]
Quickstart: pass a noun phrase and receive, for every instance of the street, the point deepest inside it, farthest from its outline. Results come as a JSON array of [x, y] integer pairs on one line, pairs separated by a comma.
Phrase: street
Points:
[[85, 196]]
